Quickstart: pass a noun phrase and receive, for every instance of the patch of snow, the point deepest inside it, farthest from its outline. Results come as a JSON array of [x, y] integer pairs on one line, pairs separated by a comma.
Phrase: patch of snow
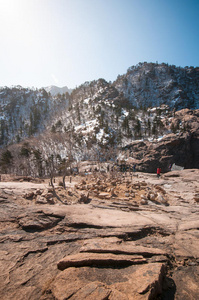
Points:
[[153, 109], [125, 113], [86, 101], [160, 138], [100, 134], [87, 126]]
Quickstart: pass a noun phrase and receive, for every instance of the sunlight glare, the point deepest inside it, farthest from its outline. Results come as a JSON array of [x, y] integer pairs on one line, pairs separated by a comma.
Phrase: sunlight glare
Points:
[[7, 8]]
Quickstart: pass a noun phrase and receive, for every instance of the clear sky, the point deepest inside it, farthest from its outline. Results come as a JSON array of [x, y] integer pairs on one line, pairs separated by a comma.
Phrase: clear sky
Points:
[[68, 42]]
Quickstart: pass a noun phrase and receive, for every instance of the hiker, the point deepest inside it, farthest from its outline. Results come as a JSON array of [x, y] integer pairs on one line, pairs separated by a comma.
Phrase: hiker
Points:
[[158, 172], [134, 167], [170, 166]]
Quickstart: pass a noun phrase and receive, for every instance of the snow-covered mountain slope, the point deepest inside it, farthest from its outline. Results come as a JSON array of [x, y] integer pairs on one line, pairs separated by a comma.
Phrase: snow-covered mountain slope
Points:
[[150, 84], [25, 112], [138, 104], [55, 90]]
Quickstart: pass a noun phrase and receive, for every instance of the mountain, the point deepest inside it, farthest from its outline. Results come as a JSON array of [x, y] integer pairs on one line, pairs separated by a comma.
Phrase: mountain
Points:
[[98, 119], [138, 104], [25, 112], [55, 90], [149, 84]]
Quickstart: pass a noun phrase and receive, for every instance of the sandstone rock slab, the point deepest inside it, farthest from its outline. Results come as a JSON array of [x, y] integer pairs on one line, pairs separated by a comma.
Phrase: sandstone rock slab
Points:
[[135, 282], [99, 259]]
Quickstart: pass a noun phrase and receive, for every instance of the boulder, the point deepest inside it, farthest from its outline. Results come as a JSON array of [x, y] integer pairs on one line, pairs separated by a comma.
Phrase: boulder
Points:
[[138, 283]]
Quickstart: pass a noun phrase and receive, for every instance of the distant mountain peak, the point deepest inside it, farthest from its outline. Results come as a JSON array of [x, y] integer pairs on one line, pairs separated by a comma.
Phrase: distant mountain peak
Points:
[[54, 90]]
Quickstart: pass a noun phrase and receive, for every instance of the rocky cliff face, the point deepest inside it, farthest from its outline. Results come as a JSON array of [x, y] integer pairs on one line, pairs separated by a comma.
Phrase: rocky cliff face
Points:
[[180, 148]]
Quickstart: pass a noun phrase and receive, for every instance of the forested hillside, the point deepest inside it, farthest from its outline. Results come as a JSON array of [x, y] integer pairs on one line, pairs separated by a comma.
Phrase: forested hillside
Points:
[[98, 118]]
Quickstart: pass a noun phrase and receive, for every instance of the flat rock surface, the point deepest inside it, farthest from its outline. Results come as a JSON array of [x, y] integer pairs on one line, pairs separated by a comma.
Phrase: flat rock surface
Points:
[[124, 246], [133, 282]]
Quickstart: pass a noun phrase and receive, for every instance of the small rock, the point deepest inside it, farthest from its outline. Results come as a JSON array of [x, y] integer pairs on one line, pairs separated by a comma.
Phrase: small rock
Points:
[[113, 183], [143, 202], [96, 192], [192, 263], [70, 193], [84, 198], [143, 183], [29, 195], [112, 192], [41, 200], [196, 198], [152, 196], [159, 188], [136, 186], [38, 192], [161, 199], [143, 196], [48, 196], [103, 195], [51, 200]]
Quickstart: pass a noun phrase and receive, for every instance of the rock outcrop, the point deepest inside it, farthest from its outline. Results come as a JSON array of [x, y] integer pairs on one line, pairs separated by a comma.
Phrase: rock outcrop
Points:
[[181, 148], [110, 247]]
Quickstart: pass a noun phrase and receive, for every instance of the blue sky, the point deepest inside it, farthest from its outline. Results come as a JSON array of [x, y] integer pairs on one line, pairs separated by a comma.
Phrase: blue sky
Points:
[[68, 42]]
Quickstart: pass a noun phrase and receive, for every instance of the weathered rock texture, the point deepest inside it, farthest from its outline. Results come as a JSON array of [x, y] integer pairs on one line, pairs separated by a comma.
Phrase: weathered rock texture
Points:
[[114, 246], [181, 148]]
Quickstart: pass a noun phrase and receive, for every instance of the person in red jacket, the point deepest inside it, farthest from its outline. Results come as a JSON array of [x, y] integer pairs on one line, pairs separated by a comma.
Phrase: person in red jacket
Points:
[[158, 172]]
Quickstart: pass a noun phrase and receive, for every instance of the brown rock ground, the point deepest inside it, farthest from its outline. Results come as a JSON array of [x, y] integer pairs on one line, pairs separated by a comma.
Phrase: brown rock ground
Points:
[[132, 237]]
